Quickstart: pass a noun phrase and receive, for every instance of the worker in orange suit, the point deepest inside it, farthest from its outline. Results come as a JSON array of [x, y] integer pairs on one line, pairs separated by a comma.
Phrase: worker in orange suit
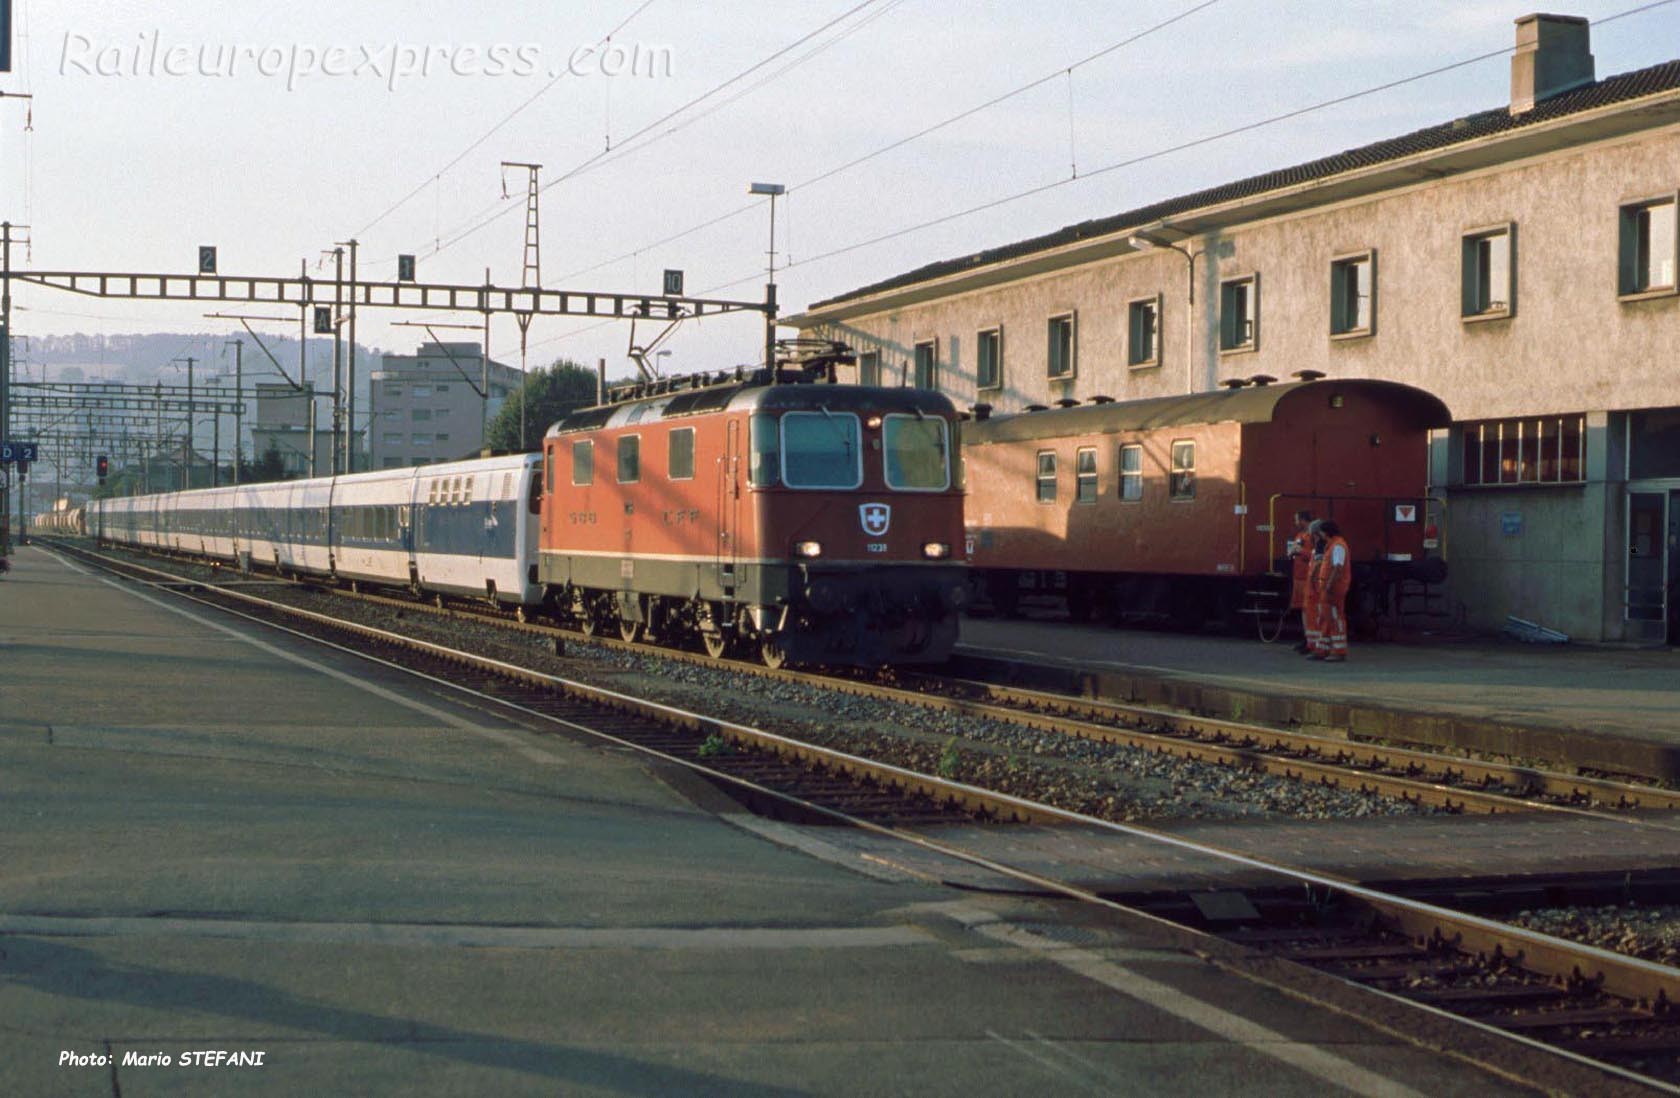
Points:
[[1309, 593], [1335, 576], [1299, 551]]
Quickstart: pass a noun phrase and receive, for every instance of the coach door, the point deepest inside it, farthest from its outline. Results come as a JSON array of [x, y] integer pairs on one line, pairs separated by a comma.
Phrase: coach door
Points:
[[728, 508]]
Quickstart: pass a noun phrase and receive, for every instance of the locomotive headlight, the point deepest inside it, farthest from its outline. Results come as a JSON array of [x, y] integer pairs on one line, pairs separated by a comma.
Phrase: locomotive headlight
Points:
[[936, 550], [808, 549], [873, 423]]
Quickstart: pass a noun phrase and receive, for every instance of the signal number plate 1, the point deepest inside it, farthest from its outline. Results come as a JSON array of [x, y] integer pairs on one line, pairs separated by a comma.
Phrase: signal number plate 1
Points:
[[877, 547]]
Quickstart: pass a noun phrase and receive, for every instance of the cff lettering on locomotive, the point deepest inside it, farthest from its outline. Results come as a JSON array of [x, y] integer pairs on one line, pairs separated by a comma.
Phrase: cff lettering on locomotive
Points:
[[814, 522]]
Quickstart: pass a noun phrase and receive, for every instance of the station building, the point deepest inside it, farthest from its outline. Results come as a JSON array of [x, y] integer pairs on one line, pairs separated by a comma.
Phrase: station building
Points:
[[1520, 263], [433, 405]]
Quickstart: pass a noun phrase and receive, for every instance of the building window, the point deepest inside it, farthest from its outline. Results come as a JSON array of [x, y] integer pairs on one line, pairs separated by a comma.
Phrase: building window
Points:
[[1085, 474], [988, 359], [442, 436], [392, 463], [1239, 314], [1143, 332], [1046, 476], [420, 414], [391, 438], [393, 390], [1131, 471], [1063, 347], [420, 391], [583, 463], [1531, 450], [442, 388], [1489, 280], [927, 367], [1353, 287], [680, 458], [1183, 480], [1648, 247], [629, 459], [420, 440], [440, 412], [869, 368]]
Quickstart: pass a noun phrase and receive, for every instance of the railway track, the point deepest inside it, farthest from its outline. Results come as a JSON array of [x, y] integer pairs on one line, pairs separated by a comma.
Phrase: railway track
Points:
[[1598, 1019], [1425, 778]]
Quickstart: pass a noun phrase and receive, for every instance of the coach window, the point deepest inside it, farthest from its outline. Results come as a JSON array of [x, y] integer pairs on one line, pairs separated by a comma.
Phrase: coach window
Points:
[[1046, 476], [1131, 471], [1183, 480], [583, 463], [1085, 475], [680, 459], [822, 450], [766, 465], [629, 459], [918, 453]]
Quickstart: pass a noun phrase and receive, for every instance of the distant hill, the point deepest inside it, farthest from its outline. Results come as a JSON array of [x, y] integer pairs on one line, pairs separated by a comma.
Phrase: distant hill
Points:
[[143, 358]]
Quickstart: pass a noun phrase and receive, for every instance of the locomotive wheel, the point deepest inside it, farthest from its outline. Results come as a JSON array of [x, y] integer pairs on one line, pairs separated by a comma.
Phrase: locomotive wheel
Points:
[[716, 644], [629, 631], [772, 653], [520, 616], [437, 600], [587, 625]]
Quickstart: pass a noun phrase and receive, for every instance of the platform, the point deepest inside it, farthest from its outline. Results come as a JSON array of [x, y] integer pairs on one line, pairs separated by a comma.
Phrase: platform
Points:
[[214, 837], [1615, 710]]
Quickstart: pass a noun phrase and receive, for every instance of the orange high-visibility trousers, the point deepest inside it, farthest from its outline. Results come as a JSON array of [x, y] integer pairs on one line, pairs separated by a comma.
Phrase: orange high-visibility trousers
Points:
[[1332, 641]]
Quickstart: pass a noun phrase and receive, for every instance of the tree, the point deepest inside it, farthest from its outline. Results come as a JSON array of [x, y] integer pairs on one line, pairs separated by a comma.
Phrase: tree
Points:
[[270, 467], [549, 393]]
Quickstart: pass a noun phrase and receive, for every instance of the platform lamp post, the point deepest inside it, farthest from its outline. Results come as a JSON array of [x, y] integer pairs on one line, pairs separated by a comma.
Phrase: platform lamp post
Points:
[[1148, 242], [773, 190]]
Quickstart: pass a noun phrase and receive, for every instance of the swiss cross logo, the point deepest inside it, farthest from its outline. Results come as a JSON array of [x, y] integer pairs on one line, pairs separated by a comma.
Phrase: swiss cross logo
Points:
[[876, 517]]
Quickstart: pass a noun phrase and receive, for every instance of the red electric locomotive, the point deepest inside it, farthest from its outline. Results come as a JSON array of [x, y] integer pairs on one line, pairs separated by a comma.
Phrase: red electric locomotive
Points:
[[818, 522], [1180, 507]]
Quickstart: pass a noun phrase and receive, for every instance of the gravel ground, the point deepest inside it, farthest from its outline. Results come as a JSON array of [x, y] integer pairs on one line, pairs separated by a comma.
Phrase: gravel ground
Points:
[[1107, 780], [1651, 933]]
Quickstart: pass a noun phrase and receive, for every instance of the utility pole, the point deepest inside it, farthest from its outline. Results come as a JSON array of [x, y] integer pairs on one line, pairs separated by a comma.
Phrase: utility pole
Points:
[[187, 442], [350, 371], [238, 405], [530, 275], [5, 374], [338, 362]]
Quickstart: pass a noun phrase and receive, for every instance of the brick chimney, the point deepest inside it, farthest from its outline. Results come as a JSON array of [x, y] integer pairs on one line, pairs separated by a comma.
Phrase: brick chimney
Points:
[[1553, 56]]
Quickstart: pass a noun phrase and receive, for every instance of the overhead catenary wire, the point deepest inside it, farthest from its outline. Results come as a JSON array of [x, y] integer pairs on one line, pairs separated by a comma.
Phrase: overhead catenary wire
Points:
[[951, 120], [438, 175], [1133, 161], [629, 142]]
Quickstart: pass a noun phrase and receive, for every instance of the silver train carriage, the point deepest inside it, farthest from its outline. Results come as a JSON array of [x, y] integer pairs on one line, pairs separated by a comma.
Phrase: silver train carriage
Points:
[[459, 528]]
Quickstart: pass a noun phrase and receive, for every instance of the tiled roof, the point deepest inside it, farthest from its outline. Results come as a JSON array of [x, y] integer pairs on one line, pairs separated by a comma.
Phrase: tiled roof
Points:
[[1611, 90]]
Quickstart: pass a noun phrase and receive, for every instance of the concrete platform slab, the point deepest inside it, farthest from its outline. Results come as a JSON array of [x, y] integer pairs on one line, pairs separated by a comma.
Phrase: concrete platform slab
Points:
[[1611, 709], [215, 838]]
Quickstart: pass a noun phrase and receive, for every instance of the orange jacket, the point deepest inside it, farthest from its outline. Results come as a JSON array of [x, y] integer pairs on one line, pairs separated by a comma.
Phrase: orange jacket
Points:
[[1335, 589]]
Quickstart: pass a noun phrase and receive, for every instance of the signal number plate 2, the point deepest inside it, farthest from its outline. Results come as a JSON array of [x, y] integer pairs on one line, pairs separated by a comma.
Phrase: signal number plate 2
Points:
[[876, 547]]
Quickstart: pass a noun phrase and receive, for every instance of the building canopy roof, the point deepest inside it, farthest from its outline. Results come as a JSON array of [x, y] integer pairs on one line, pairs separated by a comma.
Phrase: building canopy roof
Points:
[[1488, 123]]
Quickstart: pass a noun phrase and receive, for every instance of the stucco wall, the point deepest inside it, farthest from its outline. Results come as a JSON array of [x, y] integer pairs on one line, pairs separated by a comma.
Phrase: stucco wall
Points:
[[1570, 345]]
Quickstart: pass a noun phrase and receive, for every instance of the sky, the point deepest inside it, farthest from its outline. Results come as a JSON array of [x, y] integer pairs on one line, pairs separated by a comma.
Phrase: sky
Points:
[[156, 127]]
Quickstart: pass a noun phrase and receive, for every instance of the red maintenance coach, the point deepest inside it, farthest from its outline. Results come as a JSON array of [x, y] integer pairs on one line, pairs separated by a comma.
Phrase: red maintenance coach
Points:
[[818, 523], [1179, 507]]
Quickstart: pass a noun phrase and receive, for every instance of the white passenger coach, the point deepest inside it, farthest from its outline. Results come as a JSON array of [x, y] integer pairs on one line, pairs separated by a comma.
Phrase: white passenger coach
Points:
[[461, 528]]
